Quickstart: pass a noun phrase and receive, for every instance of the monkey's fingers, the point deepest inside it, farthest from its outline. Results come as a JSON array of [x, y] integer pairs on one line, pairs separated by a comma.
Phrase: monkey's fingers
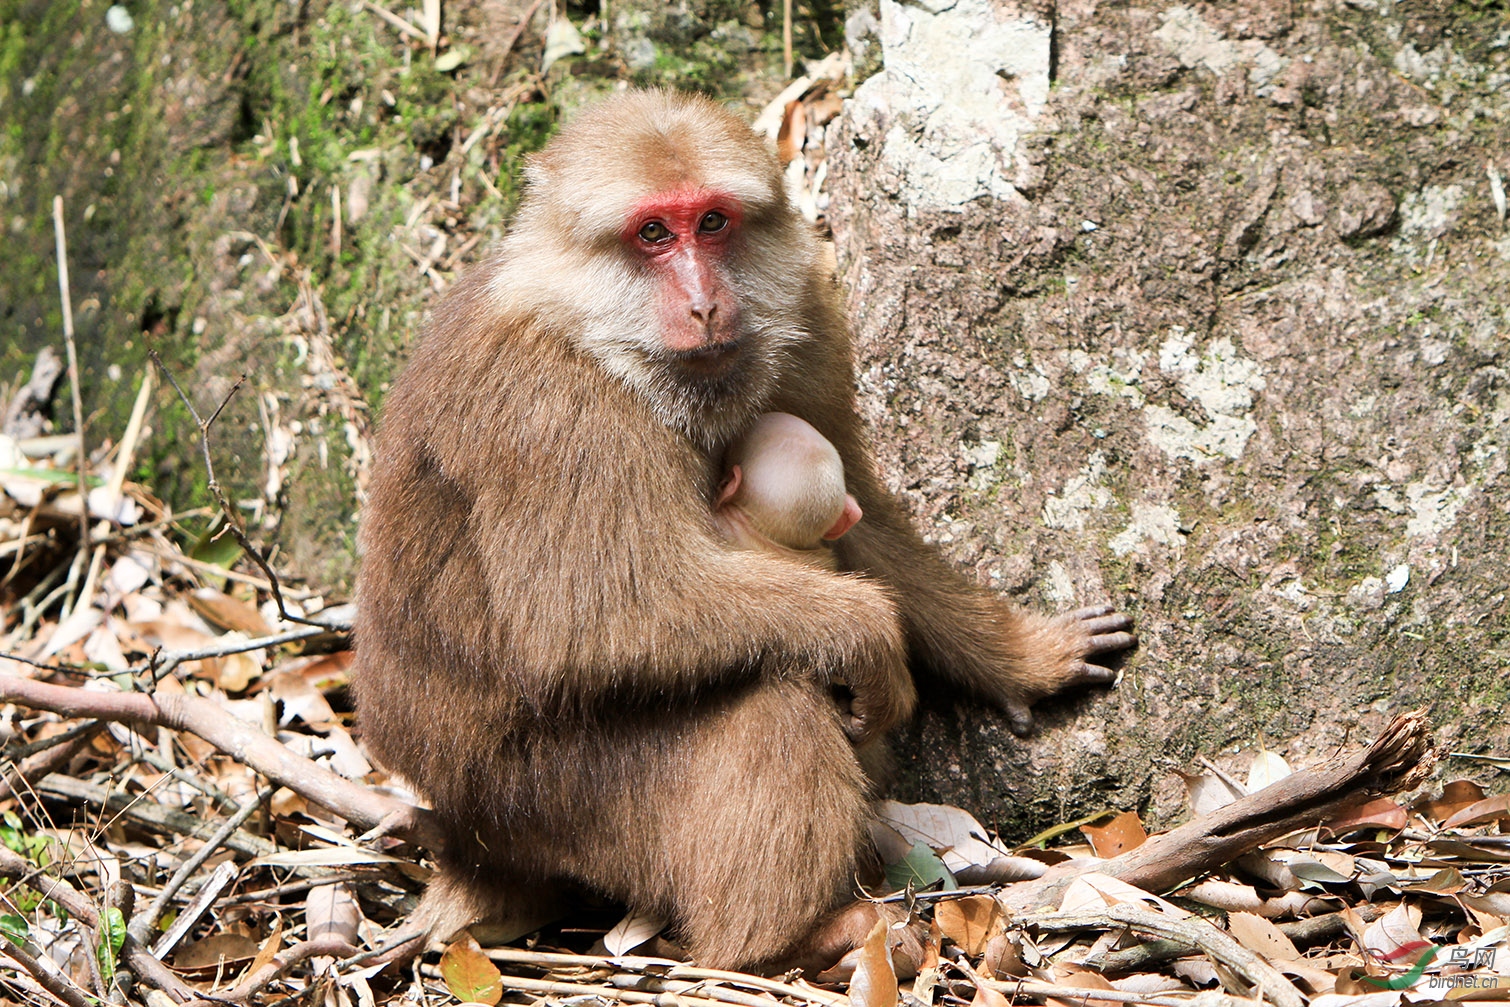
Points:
[[1092, 674], [1102, 622], [1107, 642], [1091, 611], [1019, 717], [856, 726]]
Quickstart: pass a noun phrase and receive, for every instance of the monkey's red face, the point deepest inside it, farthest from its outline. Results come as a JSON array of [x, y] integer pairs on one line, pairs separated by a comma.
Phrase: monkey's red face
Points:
[[686, 237]]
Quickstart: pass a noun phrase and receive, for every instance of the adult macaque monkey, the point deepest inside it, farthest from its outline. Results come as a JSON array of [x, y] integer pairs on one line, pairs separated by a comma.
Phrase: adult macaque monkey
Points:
[[555, 645], [784, 491]]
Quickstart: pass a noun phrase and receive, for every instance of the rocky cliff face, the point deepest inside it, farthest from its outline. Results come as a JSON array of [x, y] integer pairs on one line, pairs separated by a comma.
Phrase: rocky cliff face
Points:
[[1200, 309]]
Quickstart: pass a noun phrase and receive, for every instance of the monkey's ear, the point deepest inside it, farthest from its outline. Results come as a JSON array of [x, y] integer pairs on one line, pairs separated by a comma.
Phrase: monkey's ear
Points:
[[851, 516], [730, 486]]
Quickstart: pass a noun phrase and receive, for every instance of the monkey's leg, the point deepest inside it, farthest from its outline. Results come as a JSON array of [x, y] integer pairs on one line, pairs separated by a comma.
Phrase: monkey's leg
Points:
[[465, 893], [761, 822]]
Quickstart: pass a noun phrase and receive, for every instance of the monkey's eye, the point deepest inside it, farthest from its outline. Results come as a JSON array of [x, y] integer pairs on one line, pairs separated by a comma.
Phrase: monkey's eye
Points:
[[654, 232], [712, 221]]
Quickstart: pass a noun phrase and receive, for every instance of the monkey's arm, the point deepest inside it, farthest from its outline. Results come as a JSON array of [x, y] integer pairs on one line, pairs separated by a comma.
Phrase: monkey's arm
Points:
[[965, 633], [956, 628], [646, 603]]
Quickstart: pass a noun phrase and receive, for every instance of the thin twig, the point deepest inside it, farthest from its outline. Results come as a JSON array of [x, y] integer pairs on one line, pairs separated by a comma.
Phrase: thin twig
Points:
[[631, 963], [49, 760], [208, 893], [609, 993], [147, 920], [36, 747], [291, 888], [403, 26], [163, 664], [65, 295], [149, 814], [232, 522], [786, 39], [361, 806], [188, 779], [215, 570], [328, 946]]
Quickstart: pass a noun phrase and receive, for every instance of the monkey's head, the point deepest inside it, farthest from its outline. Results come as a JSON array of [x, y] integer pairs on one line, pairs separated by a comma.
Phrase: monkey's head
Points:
[[659, 237]]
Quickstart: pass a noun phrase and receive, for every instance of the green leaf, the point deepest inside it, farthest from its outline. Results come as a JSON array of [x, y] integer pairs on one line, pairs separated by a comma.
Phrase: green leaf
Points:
[[222, 552], [14, 929], [112, 938], [921, 868]]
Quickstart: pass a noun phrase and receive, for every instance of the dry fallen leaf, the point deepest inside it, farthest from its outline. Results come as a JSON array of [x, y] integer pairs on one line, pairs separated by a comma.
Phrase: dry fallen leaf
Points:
[[468, 973], [1261, 937], [970, 922], [1069, 975], [1480, 813], [632, 931], [875, 980], [332, 910], [1380, 813], [215, 951], [220, 609], [985, 996], [1455, 796], [1396, 936], [1124, 832], [1206, 793], [1093, 892], [1268, 767]]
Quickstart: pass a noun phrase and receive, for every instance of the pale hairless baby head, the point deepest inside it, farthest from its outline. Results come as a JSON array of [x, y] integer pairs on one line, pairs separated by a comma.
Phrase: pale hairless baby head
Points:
[[784, 486]]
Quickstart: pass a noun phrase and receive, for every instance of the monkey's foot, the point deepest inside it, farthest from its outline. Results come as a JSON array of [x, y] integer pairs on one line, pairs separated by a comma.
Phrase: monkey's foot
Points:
[[1071, 645], [832, 951]]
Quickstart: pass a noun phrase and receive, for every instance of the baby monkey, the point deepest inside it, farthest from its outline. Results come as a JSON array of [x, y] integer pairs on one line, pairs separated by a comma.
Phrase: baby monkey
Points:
[[784, 491]]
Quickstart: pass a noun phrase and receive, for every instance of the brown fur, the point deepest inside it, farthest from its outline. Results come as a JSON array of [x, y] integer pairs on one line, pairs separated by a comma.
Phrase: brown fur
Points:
[[557, 648]]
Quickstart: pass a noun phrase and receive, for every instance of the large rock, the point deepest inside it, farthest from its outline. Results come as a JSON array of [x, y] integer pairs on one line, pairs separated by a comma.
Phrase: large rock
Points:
[[1198, 309]]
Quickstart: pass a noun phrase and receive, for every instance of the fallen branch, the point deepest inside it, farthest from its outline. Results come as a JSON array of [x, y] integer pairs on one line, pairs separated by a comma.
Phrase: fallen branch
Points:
[[363, 807], [1400, 759], [1144, 957], [637, 965], [329, 946], [1268, 983]]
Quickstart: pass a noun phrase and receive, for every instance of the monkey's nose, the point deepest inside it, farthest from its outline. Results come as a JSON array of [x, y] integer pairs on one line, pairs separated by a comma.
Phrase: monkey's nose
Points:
[[704, 313]]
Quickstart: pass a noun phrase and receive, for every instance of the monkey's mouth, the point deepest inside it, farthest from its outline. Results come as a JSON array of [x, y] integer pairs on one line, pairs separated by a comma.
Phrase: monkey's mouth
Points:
[[711, 361]]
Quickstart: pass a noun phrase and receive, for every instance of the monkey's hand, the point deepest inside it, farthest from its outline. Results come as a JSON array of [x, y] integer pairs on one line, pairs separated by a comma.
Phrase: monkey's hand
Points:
[[1059, 653], [869, 665]]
